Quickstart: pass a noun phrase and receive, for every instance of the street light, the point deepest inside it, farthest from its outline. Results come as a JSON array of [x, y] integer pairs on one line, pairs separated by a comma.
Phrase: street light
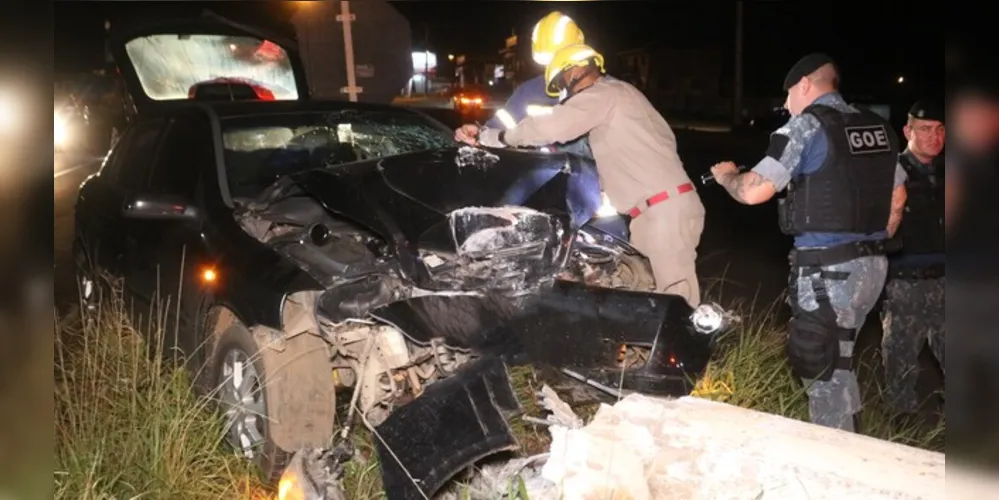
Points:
[[450, 57], [901, 79]]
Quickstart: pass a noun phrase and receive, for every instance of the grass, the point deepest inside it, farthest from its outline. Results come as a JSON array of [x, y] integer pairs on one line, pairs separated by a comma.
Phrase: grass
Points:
[[128, 426]]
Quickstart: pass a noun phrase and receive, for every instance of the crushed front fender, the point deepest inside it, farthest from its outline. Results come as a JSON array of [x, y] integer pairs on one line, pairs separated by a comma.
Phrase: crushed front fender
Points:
[[570, 326], [452, 425]]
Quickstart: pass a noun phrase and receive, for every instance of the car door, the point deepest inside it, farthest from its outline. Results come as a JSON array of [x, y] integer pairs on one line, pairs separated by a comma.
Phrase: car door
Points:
[[97, 242], [169, 254], [133, 178], [99, 208]]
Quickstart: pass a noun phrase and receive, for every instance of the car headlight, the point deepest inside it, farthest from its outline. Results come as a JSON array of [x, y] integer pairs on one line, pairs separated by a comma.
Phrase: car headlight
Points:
[[501, 232], [709, 318], [508, 248]]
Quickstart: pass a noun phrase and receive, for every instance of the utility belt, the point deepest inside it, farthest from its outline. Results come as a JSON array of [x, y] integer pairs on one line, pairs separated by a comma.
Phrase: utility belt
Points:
[[815, 336], [822, 257]]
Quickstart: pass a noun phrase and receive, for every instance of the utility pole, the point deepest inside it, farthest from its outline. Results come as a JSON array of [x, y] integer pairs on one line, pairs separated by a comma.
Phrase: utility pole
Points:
[[426, 58], [346, 17], [737, 90]]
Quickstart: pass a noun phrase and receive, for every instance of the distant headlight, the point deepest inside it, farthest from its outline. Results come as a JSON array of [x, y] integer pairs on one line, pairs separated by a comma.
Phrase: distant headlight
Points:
[[709, 318], [9, 113], [61, 135]]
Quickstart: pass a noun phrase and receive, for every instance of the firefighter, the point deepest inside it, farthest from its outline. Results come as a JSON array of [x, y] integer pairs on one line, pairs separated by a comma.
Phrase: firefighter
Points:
[[913, 310], [845, 195], [636, 160], [551, 33]]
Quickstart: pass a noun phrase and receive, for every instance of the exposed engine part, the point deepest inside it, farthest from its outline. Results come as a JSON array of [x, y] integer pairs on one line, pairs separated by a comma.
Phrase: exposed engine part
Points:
[[512, 250], [330, 249], [631, 357], [385, 368], [616, 270], [320, 235]]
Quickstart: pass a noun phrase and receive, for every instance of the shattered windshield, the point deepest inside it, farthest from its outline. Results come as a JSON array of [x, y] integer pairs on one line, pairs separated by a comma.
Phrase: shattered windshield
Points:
[[262, 148], [169, 65]]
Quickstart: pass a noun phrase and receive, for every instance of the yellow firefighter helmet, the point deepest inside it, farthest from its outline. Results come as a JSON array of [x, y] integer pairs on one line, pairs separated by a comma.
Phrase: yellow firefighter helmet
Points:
[[567, 57], [553, 32]]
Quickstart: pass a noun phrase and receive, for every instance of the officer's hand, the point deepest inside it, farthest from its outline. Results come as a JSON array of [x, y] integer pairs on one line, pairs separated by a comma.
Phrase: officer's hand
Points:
[[467, 134], [723, 169]]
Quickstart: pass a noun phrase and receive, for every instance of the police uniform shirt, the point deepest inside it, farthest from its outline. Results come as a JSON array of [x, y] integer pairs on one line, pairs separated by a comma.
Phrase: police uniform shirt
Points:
[[799, 148]]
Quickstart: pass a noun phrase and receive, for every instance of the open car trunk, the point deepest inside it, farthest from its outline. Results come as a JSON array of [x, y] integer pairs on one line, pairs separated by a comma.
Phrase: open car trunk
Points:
[[162, 61]]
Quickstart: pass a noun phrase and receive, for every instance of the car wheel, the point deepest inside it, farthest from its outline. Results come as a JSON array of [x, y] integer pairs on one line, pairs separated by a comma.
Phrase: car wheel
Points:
[[89, 285], [273, 402]]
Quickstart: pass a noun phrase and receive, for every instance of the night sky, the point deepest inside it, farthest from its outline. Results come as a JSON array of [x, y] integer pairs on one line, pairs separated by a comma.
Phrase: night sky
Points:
[[873, 45]]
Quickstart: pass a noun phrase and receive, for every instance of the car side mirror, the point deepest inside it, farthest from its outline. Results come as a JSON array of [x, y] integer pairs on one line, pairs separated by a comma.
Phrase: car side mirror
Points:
[[160, 207]]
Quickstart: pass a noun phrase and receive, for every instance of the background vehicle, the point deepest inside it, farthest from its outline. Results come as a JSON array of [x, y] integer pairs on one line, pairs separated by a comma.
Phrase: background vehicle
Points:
[[470, 99], [89, 115], [329, 246]]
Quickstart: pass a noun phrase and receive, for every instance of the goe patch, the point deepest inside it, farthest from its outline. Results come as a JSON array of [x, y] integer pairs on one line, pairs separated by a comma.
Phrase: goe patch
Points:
[[868, 139]]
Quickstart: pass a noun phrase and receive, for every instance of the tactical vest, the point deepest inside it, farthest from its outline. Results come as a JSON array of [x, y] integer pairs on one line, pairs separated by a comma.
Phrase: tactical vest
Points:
[[851, 192], [922, 228]]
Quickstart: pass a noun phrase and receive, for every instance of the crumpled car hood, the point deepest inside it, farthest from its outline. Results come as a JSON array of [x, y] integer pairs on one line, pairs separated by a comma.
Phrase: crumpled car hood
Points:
[[407, 195]]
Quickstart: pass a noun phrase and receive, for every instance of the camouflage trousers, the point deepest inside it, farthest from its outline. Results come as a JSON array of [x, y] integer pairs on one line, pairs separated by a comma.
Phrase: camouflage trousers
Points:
[[913, 313], [853, 288]]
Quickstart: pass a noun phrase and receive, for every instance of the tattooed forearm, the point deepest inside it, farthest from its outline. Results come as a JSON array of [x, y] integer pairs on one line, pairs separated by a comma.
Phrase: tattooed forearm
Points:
[[897, 207], [742, 186]]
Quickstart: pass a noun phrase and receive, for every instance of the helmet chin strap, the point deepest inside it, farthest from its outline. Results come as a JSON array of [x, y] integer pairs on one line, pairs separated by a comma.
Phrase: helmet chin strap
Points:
[[569, 89]]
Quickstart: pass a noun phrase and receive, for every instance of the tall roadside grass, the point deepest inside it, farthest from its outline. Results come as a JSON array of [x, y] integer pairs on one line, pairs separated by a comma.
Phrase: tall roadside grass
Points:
[[750, 370], [127, 425]]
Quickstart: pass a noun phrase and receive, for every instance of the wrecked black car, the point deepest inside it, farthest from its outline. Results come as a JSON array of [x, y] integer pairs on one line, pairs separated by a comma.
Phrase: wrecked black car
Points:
[[311, 251]]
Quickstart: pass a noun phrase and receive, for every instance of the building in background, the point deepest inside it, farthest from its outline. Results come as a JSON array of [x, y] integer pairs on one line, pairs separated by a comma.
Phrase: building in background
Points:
[[517, 63], [473, 69]]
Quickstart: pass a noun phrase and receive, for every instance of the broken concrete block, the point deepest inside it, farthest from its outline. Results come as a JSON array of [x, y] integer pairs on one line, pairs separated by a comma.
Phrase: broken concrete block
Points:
[[693, 449]]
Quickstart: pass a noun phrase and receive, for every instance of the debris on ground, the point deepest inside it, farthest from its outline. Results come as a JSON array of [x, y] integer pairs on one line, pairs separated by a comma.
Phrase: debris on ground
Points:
[[690, 448]]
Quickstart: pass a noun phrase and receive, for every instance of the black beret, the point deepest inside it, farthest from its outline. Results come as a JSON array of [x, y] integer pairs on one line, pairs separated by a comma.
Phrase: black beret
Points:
[[927, 110], [804, 67]]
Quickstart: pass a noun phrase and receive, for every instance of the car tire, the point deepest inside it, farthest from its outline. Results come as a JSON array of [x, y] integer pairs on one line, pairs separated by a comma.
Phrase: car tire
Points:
[[90, 287], [292, 402]]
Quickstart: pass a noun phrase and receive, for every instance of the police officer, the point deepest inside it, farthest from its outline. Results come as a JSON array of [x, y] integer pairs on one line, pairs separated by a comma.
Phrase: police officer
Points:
[[913, 310], [636, 159], [553, 32], [845, 194]]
